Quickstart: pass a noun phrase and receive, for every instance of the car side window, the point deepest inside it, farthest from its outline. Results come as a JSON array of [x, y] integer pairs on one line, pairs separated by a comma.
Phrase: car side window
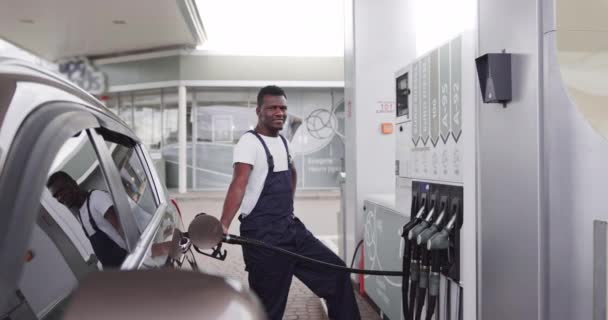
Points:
[[136, 182], [144, 197], [77, 232]]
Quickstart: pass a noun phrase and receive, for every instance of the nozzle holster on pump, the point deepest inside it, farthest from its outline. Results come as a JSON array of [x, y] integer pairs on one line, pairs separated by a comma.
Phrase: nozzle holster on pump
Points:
[[409, 263], [431, 249], [420, 260]]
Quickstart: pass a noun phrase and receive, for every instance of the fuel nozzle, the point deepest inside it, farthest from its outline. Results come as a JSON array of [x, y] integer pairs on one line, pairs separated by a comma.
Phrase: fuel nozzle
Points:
[[419, 212], [439, 243], [441, 239], [427, 233], [205, 232], [416, 230]]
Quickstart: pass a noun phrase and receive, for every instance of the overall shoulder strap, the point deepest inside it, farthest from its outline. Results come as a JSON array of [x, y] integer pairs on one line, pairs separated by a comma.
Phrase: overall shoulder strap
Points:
[[91, 220], [269, 157], [286, 150]]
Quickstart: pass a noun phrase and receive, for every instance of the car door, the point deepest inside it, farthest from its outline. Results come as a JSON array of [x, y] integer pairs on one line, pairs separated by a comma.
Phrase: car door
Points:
[[45, 247], [59, 253]]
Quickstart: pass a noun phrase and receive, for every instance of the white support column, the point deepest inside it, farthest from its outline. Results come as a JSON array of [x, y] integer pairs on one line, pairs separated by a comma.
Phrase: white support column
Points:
[[194, 120], [182, 125]]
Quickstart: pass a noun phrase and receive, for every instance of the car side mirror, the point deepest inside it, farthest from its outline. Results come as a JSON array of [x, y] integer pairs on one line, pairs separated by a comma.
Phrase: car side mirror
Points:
[[162, 294]]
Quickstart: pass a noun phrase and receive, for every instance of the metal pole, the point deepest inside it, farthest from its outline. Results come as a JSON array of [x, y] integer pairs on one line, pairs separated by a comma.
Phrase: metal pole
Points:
[[182, 125], [162, 120], [194, 120]]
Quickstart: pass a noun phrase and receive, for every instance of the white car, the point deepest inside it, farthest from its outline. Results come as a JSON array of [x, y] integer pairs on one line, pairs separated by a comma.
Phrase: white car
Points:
[[47, 125]]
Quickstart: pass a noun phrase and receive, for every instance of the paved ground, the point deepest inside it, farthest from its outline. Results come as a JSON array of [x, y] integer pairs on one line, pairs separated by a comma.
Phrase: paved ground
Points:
[[317, 210]]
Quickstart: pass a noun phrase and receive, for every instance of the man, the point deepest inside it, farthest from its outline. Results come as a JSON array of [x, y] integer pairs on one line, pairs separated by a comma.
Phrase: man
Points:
[[262, 190], [95, 212]]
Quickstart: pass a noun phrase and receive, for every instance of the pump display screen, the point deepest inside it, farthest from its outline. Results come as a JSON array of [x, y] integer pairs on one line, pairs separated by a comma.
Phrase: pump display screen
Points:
[[403, 91], [403, 83]]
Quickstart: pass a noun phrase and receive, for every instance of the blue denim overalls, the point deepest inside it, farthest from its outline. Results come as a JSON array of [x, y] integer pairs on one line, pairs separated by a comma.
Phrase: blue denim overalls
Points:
[[272, 221]]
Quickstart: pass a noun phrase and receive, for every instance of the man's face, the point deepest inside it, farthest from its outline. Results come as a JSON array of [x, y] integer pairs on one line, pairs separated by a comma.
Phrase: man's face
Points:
[[66, 193], [273, 112]]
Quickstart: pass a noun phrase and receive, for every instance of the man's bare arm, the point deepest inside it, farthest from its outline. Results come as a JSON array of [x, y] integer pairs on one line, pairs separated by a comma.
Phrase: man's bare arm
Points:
[[112, 217], [235, 194]]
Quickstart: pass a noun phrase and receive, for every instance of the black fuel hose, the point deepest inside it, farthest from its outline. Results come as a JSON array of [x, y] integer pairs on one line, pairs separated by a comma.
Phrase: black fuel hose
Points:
[[434, 284], [352, 262], [406, 262], [406, 265], [422, 283], [414, 278], [431, 308], [234, 239]]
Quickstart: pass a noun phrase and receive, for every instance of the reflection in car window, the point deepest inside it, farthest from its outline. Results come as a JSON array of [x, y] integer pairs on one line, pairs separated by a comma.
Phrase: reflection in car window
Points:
[[161, 245], [77, 182], [136, 183], [159, 250]]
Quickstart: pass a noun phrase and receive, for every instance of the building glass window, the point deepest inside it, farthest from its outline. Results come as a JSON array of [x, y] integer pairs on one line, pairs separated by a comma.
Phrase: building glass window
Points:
[[218, 117], [125, 108], [314, 127], [171, 135], [170, 117], [112, 103], [147, 112]]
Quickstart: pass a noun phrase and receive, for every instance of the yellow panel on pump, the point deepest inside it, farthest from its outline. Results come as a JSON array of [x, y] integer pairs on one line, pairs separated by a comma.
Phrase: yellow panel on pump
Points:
[[582, 48]]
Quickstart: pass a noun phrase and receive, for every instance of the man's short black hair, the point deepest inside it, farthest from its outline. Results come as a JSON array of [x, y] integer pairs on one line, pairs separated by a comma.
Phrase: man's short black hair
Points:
[[60, 176], [270, 91]]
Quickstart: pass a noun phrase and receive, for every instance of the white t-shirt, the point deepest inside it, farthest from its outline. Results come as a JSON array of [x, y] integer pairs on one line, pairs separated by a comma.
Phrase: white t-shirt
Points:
[[250, 150], [100, 203]]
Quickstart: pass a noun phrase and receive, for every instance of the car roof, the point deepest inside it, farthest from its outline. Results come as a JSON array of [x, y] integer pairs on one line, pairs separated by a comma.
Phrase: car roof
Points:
[[20, 70], [36, 87]]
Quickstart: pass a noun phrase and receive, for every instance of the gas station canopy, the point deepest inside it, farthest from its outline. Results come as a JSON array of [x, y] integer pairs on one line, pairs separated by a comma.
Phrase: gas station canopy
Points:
[[56, 29]]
